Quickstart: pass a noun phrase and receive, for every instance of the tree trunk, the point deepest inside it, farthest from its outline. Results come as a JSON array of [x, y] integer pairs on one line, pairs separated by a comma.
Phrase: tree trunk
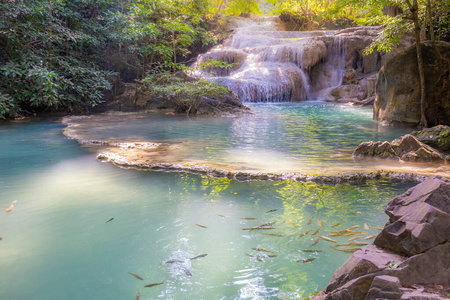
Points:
[[414, 8]]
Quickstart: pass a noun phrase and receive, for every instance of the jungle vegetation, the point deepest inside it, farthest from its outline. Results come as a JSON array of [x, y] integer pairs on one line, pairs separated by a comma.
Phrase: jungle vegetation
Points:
[[63, 54]]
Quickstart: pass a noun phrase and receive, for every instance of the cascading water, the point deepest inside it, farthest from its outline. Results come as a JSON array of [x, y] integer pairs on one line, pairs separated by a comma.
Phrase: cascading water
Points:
[[271, 65]]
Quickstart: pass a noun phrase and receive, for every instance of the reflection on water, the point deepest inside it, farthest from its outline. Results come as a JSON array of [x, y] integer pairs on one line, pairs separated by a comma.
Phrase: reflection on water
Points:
[[309, 137], [57, 245]]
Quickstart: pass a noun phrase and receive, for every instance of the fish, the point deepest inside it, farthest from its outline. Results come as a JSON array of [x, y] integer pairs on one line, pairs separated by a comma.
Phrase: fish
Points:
[[258, 227], [291, 223], [354, 238], [137, 276], [187, 272], [220, 215], [258, 258], [366, 227], [315, 232], [272, 210], [316, 240], [352, 244], [319, 222], [353, 227], [309, 221], [203, 226], [138, 296], [311, 250], [153, 284], [335, 234], [198, 256], [337, 224], [306, 260], [370, 236], [379, 228], [272, 234], [10, 208], [304, 233], [271, 255], [267, 224], [347, 250], [263, 250], [326, 238], [1, 238], [247, 218], [172, 261], [347, 231], [110, 220], [360, 213]]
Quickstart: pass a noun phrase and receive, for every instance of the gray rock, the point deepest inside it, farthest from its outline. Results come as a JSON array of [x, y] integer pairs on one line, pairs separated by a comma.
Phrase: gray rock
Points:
[[412, 250], [369, 260], [418, 219], [409, 148], [375, 149], [385, 287], [406, 148]]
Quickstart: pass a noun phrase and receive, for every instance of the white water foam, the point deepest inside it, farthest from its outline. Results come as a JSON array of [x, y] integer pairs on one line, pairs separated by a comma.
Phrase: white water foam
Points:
[[271, 65]]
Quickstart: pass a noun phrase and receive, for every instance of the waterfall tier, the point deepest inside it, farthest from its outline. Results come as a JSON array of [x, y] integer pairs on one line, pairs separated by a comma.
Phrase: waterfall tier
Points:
[[271, 65]]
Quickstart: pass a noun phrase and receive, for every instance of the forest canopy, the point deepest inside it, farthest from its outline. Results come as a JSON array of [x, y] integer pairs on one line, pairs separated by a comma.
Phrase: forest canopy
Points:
[[64, 54]]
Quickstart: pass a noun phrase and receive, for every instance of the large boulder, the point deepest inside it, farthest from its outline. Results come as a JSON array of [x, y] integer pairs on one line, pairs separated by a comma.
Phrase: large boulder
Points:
[[398, 87], [437, 137], [405, 148], [409, 256], [409, 148], [418, 219]]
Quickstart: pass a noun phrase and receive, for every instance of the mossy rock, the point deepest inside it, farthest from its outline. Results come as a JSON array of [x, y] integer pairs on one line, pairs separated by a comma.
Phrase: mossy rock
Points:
[[437, 137]]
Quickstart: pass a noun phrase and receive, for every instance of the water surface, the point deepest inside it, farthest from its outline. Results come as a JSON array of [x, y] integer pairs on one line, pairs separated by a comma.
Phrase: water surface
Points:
[[57, 245], [307, 137]]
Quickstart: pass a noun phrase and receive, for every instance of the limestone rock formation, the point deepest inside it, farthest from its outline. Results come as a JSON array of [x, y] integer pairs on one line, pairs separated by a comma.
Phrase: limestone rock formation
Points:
[[398, 87], [406, 148], [134, 96], [411, 256], [437, 137]]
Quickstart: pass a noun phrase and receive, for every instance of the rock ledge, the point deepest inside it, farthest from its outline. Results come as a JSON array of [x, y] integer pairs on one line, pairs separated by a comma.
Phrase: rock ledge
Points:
[[410, 258]]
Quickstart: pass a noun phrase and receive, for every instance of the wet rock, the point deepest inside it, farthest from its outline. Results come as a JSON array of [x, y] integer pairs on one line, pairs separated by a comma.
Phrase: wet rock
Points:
[[398, 88], [411, 251], [349, 76], [375, 149], [350, 92], [409, 148], [418, 219], [437, 137], [406, 148], [369, 260], [384, 287]]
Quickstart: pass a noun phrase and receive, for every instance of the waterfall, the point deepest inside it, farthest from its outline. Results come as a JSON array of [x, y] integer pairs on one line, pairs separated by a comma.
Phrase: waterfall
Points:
[[271, 65]]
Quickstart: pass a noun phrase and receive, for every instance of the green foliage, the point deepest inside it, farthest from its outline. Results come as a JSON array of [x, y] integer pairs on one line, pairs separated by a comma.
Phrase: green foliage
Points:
[[243, 8], [184, 94], [7, 106], [59, 54]]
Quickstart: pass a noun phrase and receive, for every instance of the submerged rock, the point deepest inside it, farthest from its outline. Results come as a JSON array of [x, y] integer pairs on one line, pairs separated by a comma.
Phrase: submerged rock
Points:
[[409, 255], [406, 148]]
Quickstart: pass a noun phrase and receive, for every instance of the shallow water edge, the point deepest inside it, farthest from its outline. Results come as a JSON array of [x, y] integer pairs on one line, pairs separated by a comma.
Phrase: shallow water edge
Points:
[[169, 156]]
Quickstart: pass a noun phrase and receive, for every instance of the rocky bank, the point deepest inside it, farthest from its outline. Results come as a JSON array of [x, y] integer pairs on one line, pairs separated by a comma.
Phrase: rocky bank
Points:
[[410, 258]]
